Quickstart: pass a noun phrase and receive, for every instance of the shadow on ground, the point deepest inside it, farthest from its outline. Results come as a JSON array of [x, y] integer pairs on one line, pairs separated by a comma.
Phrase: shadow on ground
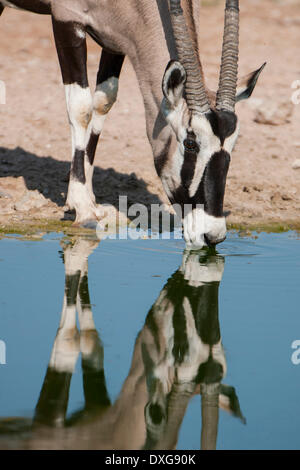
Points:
[[50, 177]]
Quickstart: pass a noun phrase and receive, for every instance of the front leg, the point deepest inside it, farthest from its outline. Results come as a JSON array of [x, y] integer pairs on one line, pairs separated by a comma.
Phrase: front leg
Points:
[[70, 39], [104, 98]]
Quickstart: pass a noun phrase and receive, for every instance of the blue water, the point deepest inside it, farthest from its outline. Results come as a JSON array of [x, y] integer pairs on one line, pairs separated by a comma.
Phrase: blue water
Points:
[[258, 313]]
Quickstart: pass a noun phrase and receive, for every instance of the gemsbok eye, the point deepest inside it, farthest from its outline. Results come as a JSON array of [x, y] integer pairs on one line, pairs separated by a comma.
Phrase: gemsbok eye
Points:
[[191, 146]]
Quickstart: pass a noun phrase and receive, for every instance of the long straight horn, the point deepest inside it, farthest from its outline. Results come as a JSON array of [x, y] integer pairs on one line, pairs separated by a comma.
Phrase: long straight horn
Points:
[[230, 57], [196, 95]]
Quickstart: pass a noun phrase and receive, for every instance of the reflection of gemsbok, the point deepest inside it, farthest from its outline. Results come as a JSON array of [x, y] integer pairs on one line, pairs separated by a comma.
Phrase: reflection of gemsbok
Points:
[[177, 354]]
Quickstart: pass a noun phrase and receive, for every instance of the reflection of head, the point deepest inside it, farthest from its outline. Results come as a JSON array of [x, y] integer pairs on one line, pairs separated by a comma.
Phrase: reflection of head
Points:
[[182, 343]]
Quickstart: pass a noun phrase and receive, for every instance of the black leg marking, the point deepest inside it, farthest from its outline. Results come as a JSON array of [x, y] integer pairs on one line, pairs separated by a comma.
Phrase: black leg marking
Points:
[[52, 405], [72, 52], [94, 386], [92, 146], [77, 170], [71, 288], [110, 66], [84, 293]]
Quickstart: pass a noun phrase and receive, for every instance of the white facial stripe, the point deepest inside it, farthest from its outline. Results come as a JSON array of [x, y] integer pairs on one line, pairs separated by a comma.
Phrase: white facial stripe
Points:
[[209, 145], [231, 140], [171, 178], [198, 352]]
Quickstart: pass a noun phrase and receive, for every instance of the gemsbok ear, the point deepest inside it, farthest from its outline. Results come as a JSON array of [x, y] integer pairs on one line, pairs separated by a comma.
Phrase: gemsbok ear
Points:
[[247, 84], [173, 83]]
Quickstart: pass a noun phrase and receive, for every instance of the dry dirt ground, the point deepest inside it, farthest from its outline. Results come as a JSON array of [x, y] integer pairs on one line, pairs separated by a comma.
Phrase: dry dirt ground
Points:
[[263, 188]]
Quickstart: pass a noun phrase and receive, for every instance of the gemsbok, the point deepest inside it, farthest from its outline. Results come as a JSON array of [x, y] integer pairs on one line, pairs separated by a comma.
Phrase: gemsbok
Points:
[[177, 354], [192, 131]]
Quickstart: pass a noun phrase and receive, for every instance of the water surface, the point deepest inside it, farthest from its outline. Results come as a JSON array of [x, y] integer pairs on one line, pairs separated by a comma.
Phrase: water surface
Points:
[[111, 344]]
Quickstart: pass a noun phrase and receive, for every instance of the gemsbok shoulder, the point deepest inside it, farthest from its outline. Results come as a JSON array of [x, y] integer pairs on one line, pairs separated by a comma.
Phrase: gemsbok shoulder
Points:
[[192, 131]]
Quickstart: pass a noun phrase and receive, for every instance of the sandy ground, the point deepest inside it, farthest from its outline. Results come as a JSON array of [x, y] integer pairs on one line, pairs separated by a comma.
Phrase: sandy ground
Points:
[[262, 188]]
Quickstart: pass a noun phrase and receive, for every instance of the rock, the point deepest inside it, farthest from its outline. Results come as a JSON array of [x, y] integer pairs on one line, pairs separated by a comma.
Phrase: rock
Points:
[[31, 200], [296, 164], [6, 207], [5, 195], [273, 113]]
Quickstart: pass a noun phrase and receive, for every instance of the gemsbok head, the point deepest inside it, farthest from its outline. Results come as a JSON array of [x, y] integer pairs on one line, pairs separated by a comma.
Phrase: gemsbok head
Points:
[[206, 128]]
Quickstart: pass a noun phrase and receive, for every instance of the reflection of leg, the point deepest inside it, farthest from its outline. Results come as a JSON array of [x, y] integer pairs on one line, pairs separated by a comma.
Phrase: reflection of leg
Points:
[[52, 405], [66, 345], [53, 401], [91, 348]]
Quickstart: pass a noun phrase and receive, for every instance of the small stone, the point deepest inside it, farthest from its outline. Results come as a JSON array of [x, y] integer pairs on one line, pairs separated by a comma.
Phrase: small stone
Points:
[[31, 200], [274, 113], [5, 195], [296, 164]]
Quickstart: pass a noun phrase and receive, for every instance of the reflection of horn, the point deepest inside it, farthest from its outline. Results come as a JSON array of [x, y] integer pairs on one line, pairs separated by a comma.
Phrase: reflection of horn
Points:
[[210, 415], [178, 401]]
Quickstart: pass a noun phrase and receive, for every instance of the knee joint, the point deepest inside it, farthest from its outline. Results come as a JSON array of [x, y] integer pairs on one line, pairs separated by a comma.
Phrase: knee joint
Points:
[[106, 96], [80, 106]]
